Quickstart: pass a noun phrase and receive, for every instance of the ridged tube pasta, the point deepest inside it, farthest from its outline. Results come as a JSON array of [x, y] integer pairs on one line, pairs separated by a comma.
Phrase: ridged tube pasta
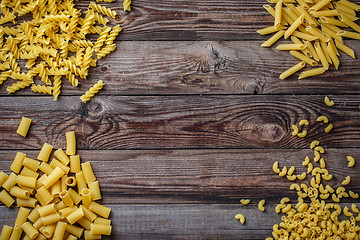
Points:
[[75, 216], [24, 126], [53, 177], [96, 193], [66, 198], [100, 209], [6, 232], [92, 91], [59, 231], [62, 156], [74, 230], [30, 231], [86, 197], [75, 166], [106, 229], [19, 192], [47, 210], [70, 143], [16, 233], [313, 72], [45, 152], [18, 161], [26, 181], [6, 199]]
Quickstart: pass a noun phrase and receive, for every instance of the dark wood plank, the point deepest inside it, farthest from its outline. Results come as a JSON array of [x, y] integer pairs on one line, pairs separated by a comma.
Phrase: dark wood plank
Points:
[[207, 68], [132, 222], [158, 122], [194, 20], [201, 176]]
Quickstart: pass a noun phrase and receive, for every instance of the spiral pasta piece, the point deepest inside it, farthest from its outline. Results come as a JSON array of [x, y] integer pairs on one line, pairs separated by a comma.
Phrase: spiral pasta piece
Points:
[[126, 5], [18, 85], [57, 86], [101, 40], [41, 89], [92, 91], [105, 51], [113, 34], [4, 76], [102, 9]]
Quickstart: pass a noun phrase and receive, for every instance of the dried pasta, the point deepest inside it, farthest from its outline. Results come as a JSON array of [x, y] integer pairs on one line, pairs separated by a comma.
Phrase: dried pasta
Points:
[[92, 91], [49, 201], [48, 41], [317, 24]]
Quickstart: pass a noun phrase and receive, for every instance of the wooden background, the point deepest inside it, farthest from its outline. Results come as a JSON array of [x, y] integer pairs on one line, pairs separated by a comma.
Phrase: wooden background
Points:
[[190, 121]]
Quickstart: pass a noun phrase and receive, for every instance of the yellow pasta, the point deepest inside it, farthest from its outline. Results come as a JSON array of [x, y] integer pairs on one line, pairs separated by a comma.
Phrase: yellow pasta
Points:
[[55, 163], [92, 91], [22, 216], [59, 231], [261, 205], [302, 134], [292, 70], [45, 152], [74, 230], [346, 181], [329, 128], [351, 161], [16, 233], [295, 130], [24, 126], [10, 181], [19, 192], [70, 143], [75, 166], [126, 5], [239, 217], [6, 199], [45, 195], [80, 181], [100, 209], [74, 196], [89, 215], [6, 232], [29, 230], [31, 164], [62, 156], [273, 39], [304, 58], [66, 198], [86, 197], [95, 190], [328, 102], [75, 216], [106, 229]]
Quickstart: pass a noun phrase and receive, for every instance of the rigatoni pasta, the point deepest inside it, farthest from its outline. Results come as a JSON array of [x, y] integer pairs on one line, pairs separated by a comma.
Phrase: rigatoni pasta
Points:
[[52, 201], [24, 126]]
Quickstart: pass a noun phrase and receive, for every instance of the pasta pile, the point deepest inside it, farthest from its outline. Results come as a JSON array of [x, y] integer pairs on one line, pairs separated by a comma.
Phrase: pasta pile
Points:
[[54, 44], [60, 203], [314, 29], [312, 216]]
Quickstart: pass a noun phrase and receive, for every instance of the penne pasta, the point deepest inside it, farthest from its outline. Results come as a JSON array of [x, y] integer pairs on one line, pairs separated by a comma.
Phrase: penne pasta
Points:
[[312, 72], [273, 39], [292, 70], [345, 49], [333, 56], [304, 58], [278, 12], [294, 26]]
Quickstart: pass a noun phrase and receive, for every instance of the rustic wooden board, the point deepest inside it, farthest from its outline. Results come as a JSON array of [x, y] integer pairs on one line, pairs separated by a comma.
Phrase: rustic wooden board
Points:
[[202, 176], [207, 67], [157, 122]]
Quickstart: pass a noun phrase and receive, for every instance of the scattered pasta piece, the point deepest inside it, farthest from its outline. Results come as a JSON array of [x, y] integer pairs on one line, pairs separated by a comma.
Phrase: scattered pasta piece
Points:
[[240, 217], [24, 126], [322, 119], [245, 201], [304, 122], [302, 134], [351, 161], [328, 102], [126, 5], [346, 181], [329, 128], [314, 144], [261, 205], [295, 130], [91, 92]]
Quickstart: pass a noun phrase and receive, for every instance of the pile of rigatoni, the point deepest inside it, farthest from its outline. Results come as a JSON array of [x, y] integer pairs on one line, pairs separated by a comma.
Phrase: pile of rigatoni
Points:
[[314, 27], [60, 203]]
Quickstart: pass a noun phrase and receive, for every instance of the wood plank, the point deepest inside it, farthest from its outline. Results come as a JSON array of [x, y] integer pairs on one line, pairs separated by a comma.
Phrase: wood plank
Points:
[[207, 221], [202, 176], [177, 122], [235, 67], [195, 20]]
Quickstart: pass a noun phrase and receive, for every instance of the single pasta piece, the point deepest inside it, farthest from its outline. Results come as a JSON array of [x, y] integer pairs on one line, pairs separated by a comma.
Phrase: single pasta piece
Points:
[[351, 161], [70, 143], [304, 122], [329, 128], [292, 70], [91, 92], [126, 5], [18, 161], [45, 152], [295, 130], [24, 126], [313, 72], [346, 181], [261, 205], [273, 39], [245, 201], [276, 167], [323, 119], [302, 134], [328, 102]]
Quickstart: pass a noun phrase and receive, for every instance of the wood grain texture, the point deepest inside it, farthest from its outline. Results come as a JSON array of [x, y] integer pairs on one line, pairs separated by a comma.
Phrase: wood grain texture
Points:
[[177, 122], [206, 67], [202, 176]]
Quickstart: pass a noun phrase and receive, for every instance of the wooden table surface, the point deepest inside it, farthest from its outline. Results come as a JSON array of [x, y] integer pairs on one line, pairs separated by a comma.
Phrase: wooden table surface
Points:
[[190, 121]]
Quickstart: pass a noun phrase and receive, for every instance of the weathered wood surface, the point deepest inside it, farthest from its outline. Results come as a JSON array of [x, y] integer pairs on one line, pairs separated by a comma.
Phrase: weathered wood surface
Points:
[[177, 122], [207, 67], [202, 176]]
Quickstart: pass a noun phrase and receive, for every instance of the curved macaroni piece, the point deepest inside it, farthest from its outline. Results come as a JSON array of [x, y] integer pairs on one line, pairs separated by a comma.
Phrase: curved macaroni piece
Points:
[[324, 195], [316, 156], [285, 200], [283, 172], [322, 119], [291, 170], [91, 92], [302, 134], [322, 163], [329, 128], [346, 181], [240, 217], [301, 176], [304, 122], [335, 198], [261, 205], [328, 102], [278, 207], [42, 89], [295, 130], [346, 212], [319, 149], [351, 161], [306, 161], [245, 201], [353, 195], [275, 167], [327, 177], [102, 9], [291, 177], [343, 194], [295, 186]]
